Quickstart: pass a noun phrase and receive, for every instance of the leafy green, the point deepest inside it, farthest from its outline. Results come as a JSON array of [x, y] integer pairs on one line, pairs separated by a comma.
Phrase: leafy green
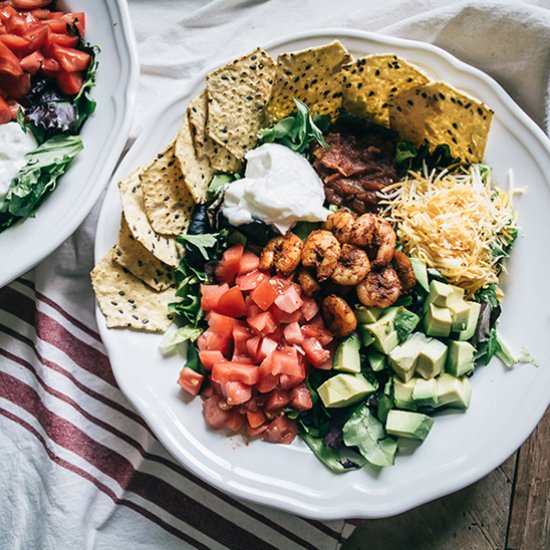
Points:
[[202, 242], [171, 340], [189, 280], [488, 295], [385, 404], [218, 182], [45, 165], [367, 433], [193, 360], [339, 461], [298, 130], [303, 229], [409, 157], [405, 322]]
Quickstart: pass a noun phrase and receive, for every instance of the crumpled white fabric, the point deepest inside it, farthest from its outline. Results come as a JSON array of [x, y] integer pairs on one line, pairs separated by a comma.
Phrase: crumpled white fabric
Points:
[[508, 40]]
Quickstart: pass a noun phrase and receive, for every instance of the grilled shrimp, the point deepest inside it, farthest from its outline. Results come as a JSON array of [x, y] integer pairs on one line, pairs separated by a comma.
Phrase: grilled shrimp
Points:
[[321, 251], [340, 223], [282, 253], [339, 316], [308, 282], [380, 288], [405, 271], [352, 267], [377, 234]]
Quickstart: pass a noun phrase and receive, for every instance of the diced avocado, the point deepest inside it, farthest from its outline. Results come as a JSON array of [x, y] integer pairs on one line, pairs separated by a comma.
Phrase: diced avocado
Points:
[[346, 358], [460, 359], [471, 323], [460, 311], [425, 392], [443, 294], [403, 357], [383, 331], [367, 314], [385, 404], [344, 389], [421, 273], [365, 336], [411, 425], [376, 359], [438, 321], [452, 391], [403, 394], [431, 359]]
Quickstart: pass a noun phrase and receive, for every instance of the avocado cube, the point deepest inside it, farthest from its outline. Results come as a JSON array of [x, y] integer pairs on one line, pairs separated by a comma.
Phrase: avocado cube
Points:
[[460, 311], [443, 294], [403, 394], [421, 273], [471, 323], [431, 359], [344, 389], [453, 391], [365, 336], [367, 314], [410, 425], [403, 357], [376, 360], [383, 331], [460, 359], [346, 357], [425, 392], [438, 321]]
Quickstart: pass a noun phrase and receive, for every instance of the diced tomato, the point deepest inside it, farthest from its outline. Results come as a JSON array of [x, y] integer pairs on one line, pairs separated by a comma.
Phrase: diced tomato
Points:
[[236, 372], [190, 380], [237, 393], [215, 416], [293, 334], [284, 317], [267, 383], [40, 14], [212, 341], [210, 294], [255, 418], [251, 280], [255, 432], [5, 112], [228, 266], [9, 62], [241, 335], [69, 83], [314, 331], [17, 44], [289, 301], [309, 308], [280, 430], [235, 421], [253, 346], [71, 59], [315, 352], [276, 400], [31, 4], [207, 392], [50, 66], [221, 323], [264, 295], [6, 12], [15, 87], [252, 308], [31, 63], [267, 346], [262, 324], [14, 107], [16, 25], [58, 21], [210, 357], [249, 262], [300, 398], [231, 303], [37, 37], [66, 40]]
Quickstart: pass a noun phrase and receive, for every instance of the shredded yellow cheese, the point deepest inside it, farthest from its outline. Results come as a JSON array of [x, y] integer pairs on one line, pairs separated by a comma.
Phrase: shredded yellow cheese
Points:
[[454, 222]]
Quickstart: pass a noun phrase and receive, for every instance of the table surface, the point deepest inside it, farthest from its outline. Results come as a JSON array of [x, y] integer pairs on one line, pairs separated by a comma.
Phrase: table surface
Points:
[[508, 509]]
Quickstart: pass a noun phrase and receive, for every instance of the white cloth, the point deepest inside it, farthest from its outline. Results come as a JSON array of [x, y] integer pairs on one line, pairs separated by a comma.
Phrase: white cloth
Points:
[[46, 505]]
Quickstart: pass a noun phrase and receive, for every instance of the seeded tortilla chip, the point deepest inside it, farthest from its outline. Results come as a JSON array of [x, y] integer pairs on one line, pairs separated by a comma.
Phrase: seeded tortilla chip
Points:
[[131, 254], [196, 171], [371, 82], [126, 302], [166, 249], [312, 76], [436, 113], [221, 160], [167, 200], [237, 94]]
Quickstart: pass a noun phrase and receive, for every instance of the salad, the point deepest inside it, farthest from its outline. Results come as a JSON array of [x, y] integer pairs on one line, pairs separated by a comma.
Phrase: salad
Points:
[[47, 71], [324, 240]]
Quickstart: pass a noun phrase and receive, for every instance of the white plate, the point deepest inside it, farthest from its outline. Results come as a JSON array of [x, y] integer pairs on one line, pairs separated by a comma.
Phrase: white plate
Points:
[[104, 135], [462, 448]]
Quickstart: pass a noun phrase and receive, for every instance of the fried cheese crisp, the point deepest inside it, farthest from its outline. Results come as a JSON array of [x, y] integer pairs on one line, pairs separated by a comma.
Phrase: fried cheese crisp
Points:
[[436, 113], [369, 83], [312, 76], [237, 94], [167, 200], [131, 254], [164, 248], [197, 172], [126, 302]]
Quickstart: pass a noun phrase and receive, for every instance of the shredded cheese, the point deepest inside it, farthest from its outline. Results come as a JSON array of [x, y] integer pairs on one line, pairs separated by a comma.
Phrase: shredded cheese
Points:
[[457, 223]]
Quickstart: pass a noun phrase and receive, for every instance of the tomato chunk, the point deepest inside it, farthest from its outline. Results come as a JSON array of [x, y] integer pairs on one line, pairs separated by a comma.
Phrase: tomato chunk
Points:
[[190, 380], [251, 280], [293, 334], [32, 63], [237, 392], [231, 303], [228, 267], [215, 416], [315, 352], [237, 372], [70, 59], [280, 430], [210, 357], [264, 295], [31, 4], [300, 398], [9, 62], [263, 324], [277, 400], [69, 83], [255, 418], [289, 301], [5, 112], [210, 295], [249, 262], [309, 309]]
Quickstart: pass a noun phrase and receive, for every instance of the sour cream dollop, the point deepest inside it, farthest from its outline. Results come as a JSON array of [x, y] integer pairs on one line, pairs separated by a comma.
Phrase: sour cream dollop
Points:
[[14, 144], [280, 188]]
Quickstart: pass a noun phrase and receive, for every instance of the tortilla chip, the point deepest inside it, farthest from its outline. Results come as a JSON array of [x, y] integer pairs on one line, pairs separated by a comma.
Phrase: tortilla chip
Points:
[[132, 255], [436, 113], [166, 249], [166, 198], [221, 160], [312, 76], [237, 94], [196, 171], [127, 302], [370, 82]]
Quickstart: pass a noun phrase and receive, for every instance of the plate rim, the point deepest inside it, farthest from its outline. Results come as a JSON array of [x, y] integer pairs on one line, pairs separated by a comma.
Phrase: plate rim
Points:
[[304, 508]]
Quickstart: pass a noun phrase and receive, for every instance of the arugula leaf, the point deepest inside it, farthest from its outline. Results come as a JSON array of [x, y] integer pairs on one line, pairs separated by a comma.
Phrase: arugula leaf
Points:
[[38, 177], [202, 242], [339, 461], [298, 130], [405, 322]]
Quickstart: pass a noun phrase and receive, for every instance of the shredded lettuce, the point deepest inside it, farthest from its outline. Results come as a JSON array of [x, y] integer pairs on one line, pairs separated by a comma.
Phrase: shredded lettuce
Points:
[[172, 339]]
